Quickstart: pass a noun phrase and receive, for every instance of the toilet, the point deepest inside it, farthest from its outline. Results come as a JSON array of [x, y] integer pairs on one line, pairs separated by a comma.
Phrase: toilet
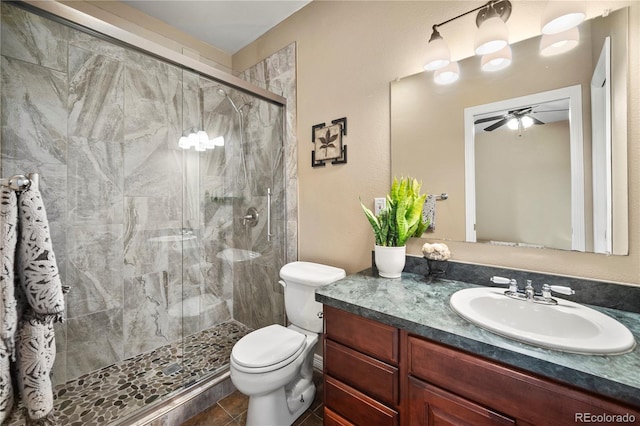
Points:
[[273, 365]]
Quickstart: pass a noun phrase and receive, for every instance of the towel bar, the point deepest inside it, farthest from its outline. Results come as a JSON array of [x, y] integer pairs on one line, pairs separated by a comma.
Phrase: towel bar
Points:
[[442, 196], [21, 182]]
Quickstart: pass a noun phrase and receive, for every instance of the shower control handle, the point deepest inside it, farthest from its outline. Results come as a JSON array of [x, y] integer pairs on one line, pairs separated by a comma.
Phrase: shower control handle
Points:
[[251, 217]]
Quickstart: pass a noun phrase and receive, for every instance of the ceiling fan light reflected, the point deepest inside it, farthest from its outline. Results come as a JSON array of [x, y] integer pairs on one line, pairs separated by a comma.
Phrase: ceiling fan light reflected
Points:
[[526, 121], [555, 44], [492, 36], [496, 61], [559, 16], [437, 54], [513, 124], [448, 74]]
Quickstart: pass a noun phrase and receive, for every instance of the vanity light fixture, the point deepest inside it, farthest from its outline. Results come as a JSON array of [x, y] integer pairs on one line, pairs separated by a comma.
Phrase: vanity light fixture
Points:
[[559, 16], [437, 55], [555, 44], [492, 37], [492, 32]]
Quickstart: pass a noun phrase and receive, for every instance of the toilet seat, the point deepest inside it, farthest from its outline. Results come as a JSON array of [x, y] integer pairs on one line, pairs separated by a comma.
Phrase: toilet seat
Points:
[[267, 349]]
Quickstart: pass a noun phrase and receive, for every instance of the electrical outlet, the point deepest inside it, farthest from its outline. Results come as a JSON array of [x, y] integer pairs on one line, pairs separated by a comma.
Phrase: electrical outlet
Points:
[[378, 205]]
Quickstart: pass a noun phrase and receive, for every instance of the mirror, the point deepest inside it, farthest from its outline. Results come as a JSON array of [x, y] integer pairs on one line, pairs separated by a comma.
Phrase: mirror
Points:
[[436, 137]]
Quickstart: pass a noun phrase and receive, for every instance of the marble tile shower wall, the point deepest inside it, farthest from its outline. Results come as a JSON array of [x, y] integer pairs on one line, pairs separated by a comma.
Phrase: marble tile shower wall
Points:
[[137, 223], [255, 303]]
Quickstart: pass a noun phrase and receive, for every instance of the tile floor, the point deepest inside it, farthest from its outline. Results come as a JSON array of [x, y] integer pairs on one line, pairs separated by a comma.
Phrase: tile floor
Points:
[[232, 410]]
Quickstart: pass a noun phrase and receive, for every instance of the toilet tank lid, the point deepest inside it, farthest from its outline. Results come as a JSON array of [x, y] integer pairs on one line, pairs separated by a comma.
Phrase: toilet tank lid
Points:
[[311, 274]]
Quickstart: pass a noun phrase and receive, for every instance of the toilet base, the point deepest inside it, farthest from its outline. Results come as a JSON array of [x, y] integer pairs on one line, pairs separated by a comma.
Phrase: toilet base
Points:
[[290, 405]]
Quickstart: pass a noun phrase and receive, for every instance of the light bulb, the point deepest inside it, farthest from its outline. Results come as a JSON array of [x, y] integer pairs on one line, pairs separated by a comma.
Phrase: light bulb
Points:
[[526, 121], [513, 124]]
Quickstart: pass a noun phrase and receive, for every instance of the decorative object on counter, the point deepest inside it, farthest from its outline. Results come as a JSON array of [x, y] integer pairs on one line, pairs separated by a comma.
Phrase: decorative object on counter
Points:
[[328, 143], [437, 255], [400, 220]]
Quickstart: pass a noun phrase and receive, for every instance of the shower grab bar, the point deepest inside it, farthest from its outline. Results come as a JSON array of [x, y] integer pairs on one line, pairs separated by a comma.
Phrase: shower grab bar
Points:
[[269, 234], [21, 182]]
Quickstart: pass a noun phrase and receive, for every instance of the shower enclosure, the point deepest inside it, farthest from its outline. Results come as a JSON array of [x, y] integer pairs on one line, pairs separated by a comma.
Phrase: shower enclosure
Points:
[[164, 188]]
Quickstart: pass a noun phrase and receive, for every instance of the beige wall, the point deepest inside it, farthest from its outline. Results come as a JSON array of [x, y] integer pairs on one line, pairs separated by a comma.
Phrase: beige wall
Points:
[[348, 52]]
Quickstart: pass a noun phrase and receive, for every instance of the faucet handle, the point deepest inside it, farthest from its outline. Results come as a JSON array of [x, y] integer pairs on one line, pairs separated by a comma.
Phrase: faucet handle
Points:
[[562, 289], [513, 284]]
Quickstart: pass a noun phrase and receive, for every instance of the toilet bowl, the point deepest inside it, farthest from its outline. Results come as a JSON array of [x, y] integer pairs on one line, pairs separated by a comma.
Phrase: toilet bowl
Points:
[[265, 381], [274, 365]]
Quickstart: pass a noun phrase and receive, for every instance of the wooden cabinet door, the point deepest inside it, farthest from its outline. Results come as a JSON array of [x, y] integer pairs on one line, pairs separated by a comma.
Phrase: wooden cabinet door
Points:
[[432, 406]]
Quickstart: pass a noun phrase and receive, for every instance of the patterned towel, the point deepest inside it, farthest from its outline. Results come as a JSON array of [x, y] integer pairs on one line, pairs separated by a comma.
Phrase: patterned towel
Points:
[[36, 352], [39, 277], [41, 302], [8, 313], [429, 211]]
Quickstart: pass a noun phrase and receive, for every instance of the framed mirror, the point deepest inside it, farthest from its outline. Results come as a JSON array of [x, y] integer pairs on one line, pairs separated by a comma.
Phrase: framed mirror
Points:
[[430, 139]]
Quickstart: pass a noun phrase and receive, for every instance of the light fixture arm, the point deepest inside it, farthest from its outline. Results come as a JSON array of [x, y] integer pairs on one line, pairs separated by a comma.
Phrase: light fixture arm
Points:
[[501, 8]]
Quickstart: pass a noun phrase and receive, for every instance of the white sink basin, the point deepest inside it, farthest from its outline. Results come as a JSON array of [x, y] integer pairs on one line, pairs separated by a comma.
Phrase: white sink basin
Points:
[[567, 326]]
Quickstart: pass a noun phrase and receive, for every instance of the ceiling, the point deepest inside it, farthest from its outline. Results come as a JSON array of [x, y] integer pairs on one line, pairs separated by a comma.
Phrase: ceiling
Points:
[[229, 25]]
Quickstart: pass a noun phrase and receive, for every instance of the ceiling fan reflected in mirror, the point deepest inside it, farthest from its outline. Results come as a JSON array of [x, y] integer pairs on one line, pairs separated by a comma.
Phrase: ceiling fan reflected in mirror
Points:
[[517, 119]]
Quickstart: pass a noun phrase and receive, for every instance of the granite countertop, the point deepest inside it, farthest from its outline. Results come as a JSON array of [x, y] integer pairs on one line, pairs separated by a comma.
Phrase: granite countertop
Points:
[[413, 304]]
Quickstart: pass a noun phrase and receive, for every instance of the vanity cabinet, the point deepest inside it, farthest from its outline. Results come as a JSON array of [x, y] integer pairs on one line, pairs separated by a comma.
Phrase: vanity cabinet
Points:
[[379, 375], [361, 370], [512, 394]]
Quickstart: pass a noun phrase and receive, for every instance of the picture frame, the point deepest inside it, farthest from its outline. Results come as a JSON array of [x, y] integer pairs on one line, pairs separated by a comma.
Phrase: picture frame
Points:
[[328, 145], [328, 142]]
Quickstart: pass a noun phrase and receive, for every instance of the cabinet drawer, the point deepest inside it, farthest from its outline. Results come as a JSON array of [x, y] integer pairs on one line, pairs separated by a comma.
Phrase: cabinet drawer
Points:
[[367, 374], [362, 334], [518, 394], [355, 406], [333, 419]]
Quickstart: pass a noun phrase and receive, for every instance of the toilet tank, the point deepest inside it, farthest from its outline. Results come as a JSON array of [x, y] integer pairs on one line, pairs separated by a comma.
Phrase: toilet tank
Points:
[[300, 280]]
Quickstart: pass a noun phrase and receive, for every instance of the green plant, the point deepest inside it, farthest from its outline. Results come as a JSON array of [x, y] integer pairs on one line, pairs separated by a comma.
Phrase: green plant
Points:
[[401, 219]]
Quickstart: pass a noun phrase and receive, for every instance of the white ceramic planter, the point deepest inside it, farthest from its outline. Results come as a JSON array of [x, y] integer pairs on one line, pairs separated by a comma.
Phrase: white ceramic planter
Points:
[[390, 260]]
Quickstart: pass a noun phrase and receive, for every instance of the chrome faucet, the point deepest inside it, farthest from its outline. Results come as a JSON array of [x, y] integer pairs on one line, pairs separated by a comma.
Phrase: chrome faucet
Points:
[[529, 293]]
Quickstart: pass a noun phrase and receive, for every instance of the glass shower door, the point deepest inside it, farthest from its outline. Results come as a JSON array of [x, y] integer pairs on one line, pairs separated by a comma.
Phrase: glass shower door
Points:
[[233, 220]]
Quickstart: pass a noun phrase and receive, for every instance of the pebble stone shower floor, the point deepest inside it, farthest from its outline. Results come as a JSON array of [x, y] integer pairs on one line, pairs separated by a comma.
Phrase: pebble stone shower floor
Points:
[[103, 396]]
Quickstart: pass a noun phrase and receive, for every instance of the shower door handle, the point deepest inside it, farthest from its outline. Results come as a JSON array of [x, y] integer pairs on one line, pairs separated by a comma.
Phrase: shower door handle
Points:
[[269, 234]]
